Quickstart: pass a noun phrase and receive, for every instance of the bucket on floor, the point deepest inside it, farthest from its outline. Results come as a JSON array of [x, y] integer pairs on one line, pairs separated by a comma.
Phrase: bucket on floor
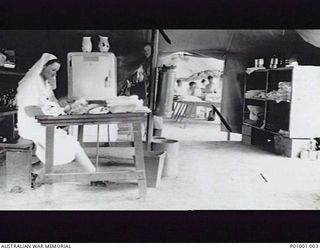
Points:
[[145, 144], [154, 162], [171, 147], [158, 138], [17, 171]]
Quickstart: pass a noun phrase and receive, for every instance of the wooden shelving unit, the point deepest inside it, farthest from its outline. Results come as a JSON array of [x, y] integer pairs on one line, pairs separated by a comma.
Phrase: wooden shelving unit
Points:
[[262, 129], [11, 72], [9, 79], [263, 99], [293, 122], [6, 113]]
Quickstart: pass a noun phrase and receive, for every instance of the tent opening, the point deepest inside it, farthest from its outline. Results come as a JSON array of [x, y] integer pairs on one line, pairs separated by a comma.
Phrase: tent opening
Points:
[[198, 84]]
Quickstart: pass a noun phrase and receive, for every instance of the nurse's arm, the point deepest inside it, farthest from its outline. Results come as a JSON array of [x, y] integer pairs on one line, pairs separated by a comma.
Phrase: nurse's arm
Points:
[[33, 111]]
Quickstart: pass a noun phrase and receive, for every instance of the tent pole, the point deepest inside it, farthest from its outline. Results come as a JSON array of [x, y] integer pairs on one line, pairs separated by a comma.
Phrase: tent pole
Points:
[[230, 42], [153, 84]]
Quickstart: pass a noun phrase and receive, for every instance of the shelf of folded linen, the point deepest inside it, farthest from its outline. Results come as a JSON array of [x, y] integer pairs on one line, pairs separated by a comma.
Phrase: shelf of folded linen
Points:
[[283, 94], [255, 94], [266, 127]]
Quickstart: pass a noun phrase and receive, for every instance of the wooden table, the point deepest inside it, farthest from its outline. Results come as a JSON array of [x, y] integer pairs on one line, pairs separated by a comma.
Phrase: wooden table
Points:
[[183, 107], [136, 119]]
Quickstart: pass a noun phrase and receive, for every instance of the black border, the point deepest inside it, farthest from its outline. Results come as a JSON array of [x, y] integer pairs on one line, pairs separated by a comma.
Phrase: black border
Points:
[[158, 226], [161, 227], [123, 14]]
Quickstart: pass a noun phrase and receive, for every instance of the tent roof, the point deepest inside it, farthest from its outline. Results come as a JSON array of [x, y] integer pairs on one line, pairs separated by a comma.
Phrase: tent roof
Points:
[[222, 41]]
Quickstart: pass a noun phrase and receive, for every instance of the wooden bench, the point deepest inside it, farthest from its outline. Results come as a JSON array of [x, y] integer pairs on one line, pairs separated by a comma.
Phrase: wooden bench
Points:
[[17, 170]]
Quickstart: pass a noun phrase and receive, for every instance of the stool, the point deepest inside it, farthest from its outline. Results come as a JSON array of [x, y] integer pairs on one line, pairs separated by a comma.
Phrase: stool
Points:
[[17, 170]]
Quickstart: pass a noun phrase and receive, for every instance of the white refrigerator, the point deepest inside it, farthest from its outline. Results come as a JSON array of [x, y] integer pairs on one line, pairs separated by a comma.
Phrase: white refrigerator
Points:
[[93, 76]]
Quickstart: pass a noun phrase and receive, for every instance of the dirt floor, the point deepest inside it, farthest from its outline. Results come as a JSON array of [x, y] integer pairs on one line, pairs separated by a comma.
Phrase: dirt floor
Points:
[[214, 174]]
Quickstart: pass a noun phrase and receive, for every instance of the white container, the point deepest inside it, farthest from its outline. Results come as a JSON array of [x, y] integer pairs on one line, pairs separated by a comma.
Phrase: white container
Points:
[[104, 44], [304, 154], [271, 63], [86, 44], [313, 155], [276, 61], [171, 162], [261, 62]]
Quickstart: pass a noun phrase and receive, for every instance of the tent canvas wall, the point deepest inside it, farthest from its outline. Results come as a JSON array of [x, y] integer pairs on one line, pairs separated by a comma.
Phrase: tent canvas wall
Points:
[[237, 47], [30, 44]]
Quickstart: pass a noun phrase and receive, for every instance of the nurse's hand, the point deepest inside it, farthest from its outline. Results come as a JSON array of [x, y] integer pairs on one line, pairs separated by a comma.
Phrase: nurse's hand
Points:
[[67, 109]]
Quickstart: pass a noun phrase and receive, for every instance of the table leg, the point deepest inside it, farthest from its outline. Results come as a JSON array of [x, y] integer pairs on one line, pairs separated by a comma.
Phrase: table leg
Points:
[[139, 156], [49, 149], [97, 147], [80, 134], [30, 163], [108, 126]]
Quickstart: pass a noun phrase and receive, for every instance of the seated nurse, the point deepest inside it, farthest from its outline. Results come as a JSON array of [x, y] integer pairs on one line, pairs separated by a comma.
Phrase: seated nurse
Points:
[[34, 92]]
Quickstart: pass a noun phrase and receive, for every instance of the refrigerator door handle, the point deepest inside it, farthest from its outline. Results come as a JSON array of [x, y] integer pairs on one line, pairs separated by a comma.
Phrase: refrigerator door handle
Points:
[[106, 82]]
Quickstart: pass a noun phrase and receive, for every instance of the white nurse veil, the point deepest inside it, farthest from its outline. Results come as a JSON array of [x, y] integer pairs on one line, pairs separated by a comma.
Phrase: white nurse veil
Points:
[[32, 77], [36, 69]]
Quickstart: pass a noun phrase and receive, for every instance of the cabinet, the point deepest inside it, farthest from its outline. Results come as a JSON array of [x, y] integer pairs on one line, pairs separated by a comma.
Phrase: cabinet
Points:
[[281, 108], [8, 84]]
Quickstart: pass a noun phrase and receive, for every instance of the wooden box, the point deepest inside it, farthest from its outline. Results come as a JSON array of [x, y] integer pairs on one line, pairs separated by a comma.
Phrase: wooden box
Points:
[[289, 147], [246, 139], [246, 130]]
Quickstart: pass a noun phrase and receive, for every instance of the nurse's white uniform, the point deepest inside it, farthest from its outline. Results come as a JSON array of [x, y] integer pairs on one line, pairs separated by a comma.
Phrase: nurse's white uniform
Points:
[[34, 91]]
